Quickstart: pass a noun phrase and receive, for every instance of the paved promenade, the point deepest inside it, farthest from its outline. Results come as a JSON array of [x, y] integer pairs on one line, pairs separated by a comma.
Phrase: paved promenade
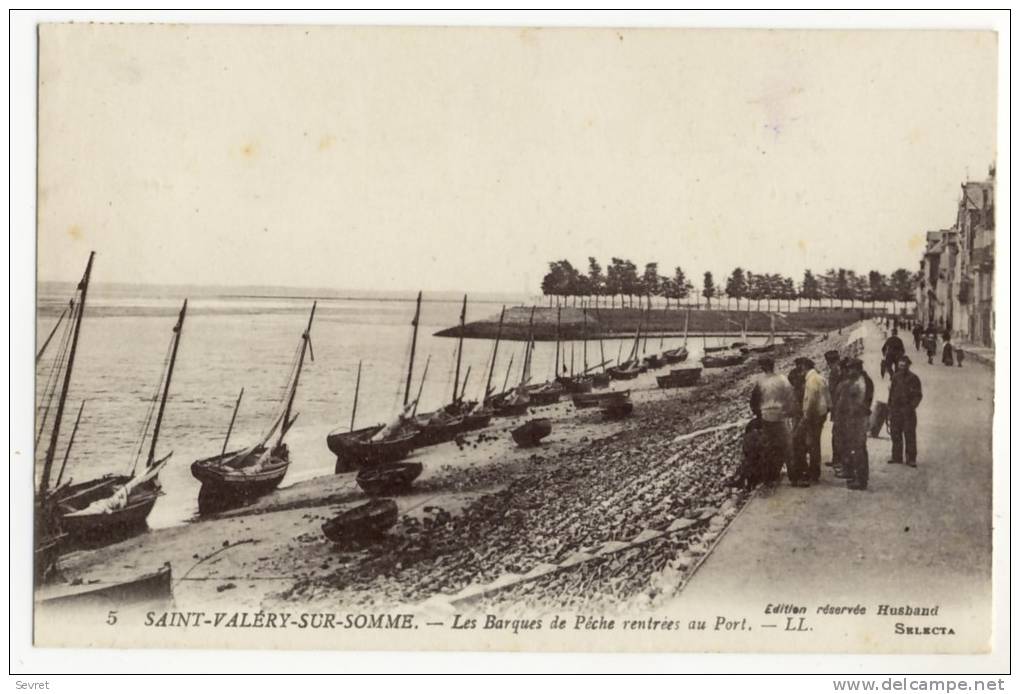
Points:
[[918, 537]]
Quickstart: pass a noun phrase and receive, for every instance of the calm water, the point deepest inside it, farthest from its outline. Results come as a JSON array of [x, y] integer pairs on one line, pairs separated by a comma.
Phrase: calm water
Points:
[[230, 342]]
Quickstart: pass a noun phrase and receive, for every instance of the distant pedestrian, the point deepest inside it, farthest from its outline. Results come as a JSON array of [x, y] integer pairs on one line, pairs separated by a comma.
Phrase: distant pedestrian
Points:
[[947, 351], [772, 402], [929, 346], [892, 350], [815, 406], [853, 410], [904, 397], [959, 356], [918, 333]]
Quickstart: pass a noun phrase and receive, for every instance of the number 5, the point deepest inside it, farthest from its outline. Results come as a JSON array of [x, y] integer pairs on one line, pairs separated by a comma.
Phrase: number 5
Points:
[[111, 617]]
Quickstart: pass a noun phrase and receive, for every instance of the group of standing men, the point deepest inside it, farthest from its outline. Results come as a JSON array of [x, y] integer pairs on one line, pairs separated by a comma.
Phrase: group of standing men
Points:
[[790, 413]]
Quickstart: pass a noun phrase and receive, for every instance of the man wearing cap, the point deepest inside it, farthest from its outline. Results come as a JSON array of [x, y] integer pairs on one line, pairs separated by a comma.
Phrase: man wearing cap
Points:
[[852, 409], [892, 350], [904, 397], [772, 402], [815, 406]]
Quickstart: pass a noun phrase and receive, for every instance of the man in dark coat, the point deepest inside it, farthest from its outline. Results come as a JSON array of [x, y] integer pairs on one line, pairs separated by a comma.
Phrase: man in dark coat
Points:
[[904, 397], [918, 332], [892, 350], [853, 409], [835, 377]]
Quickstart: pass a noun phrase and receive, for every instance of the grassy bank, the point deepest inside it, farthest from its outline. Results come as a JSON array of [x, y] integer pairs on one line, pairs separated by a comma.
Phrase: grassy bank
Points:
[[613, 322]]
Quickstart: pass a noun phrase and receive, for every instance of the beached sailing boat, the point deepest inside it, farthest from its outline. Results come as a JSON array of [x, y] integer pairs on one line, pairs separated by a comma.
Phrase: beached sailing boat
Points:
[[49, 537], [675, 356], [379, 443], [234, 477], [631, 367], [770, 343], [111, 505], [575, 383]]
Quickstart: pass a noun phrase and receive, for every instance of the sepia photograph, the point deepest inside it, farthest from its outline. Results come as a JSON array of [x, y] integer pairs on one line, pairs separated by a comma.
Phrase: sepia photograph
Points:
[[515, 338]]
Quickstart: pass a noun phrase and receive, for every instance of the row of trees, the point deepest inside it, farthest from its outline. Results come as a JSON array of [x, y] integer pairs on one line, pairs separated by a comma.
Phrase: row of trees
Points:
[[622, 279]]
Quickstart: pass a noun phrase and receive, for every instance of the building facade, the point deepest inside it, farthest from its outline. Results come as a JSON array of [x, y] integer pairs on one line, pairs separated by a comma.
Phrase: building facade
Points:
[[956, 275]]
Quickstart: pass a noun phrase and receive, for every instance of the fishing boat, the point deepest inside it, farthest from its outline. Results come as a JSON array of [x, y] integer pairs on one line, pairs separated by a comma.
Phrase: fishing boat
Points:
[[675, 356], [364, 523], [770, 342], [590, 400], [679, 378], [532, 432], [49, 538], [630, 368], [151, 591], [233, 478], [459, 416], [357, 448], [389, 478], [718, 360], [105, 508], [616, 405], [381, 443]]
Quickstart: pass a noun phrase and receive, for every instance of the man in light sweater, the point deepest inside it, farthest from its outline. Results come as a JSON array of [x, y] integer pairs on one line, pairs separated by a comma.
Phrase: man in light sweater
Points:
[[815, 408], [772, 402]]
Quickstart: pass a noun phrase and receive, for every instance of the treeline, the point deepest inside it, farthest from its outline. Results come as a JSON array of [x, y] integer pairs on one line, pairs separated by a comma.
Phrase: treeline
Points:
[[622, 279]]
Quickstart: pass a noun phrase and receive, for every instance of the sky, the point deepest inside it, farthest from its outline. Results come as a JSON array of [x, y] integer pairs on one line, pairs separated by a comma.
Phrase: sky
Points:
[[466, 159]]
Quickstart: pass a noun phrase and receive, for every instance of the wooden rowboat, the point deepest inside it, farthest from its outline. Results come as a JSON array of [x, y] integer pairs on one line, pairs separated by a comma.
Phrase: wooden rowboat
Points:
[[532, 432], [362, 523], [152, 591], [389, 478], [600, 380]]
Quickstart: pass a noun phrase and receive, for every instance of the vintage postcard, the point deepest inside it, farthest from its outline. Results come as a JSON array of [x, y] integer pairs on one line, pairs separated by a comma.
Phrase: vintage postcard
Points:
[[519, 339]]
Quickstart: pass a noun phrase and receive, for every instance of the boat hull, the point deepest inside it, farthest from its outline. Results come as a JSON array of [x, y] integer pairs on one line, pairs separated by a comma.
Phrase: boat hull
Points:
[[722, 361], [153, 591], [623, 374], [389, 478], [679, 378], [112, 525], [531, 432], [363, 523], [354, 449], [675, 356], [225, 487]]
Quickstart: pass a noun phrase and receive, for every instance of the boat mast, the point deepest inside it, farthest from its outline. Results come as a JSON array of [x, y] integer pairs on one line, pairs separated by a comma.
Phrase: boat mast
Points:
[[414, 341], [506, 379], [687, 320], [55, 435], [357, 387], [460, 350], [584, 330], [306, 343], [467, 375], [495, 350], [70, 443], [166, 385], [421, 386], [230, 427], [556, 368], [526, 369]]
